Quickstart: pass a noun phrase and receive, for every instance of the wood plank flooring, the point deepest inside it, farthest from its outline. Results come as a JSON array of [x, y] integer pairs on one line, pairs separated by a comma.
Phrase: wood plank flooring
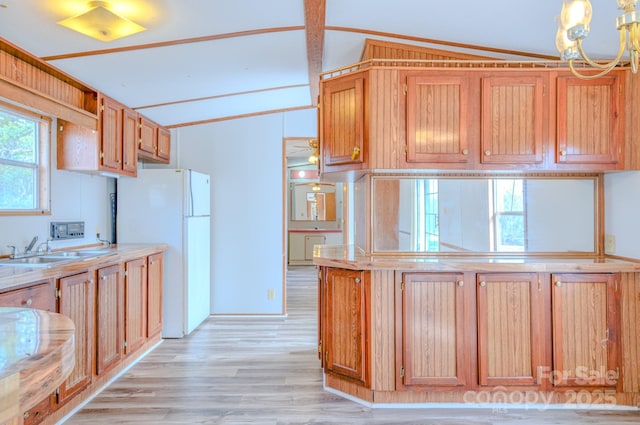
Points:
[[265, 371]]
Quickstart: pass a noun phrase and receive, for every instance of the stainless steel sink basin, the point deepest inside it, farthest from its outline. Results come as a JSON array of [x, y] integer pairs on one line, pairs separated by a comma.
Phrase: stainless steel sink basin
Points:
[[38, 261]]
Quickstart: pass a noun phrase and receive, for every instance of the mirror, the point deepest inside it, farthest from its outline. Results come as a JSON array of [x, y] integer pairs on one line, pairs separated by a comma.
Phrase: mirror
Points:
[[506, 215], [313, 202]]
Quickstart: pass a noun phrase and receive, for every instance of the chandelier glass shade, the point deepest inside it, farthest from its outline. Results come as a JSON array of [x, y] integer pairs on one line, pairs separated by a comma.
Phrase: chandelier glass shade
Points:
[[575, 19]]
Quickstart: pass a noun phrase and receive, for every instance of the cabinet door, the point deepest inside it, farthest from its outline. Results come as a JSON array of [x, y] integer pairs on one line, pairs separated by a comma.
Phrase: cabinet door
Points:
[[111, 134], [155, 278], [510, 329], [135, 304], [346, 342], [148, 136], [164, 144], [343, 122], [130, 132], [77, 301], [585, 319], [437, 118], [434, 344], [109, 321], [513, 118], [589, 122]]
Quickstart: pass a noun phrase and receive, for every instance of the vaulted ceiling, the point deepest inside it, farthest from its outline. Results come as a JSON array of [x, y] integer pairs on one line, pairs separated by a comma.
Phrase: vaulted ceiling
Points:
[[210, 60]]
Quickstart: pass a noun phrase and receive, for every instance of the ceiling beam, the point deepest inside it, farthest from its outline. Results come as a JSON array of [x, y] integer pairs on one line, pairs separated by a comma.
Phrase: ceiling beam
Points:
[[314, 17]]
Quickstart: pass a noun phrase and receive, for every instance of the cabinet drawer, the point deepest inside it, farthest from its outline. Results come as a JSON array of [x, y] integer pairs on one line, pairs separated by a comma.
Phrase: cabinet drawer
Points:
[[37, 413], [39, 296]]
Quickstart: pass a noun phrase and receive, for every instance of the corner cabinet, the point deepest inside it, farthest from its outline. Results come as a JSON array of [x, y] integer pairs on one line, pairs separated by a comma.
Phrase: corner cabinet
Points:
[[590, 120], [345, 339]]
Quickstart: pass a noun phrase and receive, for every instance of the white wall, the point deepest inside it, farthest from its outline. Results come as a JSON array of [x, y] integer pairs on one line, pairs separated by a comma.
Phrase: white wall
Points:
[[75, 197], [621, 212], [245, 160]]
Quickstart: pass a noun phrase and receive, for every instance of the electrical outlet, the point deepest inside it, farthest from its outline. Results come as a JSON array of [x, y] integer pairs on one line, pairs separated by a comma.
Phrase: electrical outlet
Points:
[[271, 294], [609, 244]]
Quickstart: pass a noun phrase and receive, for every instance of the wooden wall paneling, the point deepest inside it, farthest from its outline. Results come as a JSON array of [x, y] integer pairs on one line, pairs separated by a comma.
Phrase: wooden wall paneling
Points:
[[383, 367], [386, 219], [632, 122], [383, 122], [630, 331], [379, 49]]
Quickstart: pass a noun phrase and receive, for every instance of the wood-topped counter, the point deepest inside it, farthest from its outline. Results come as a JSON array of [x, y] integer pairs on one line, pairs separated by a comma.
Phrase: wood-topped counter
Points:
[[36, 355], [13, 277], [351, 258]]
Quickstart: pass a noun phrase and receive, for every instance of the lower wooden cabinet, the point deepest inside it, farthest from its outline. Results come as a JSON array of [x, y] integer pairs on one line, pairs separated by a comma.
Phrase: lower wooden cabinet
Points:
[[40, 296], [345, 322], [76, 300], [135, 304], [435, 341], [109, 317], [586, 324], [511, 329], [155, 282]]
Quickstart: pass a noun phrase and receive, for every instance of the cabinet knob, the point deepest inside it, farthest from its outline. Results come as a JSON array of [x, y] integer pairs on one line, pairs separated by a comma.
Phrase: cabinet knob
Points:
[[355, 153], [483, 283], [465, 151], [357, 280], [558, 283], [487, 152], [461, 283], [563, 153], [28, 302]]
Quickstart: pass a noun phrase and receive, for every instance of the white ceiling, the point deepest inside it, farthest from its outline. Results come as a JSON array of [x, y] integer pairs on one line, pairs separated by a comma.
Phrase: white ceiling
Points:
[[229, 75]]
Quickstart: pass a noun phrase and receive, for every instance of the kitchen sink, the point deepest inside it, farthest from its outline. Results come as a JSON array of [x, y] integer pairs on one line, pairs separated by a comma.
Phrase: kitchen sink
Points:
[[79, 253], [37, 261]]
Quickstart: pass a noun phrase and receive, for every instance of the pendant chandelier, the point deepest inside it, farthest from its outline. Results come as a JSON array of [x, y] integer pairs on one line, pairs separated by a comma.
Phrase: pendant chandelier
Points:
[[574, 28]]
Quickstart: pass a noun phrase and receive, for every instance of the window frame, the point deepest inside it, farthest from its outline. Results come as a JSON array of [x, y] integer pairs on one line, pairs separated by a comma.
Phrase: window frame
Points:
[[43, 166]]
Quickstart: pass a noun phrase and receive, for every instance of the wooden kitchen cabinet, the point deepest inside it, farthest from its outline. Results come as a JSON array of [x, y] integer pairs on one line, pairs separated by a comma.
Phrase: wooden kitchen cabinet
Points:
[[345, 342], [511, 329], [437, 118], [39, 295], [76, 300], [514, 118], [590, 120], [154, 142], [112, 148], [343, 129], [586, 324], [155, 282], [435, 342], [135, 304], [109, 317]]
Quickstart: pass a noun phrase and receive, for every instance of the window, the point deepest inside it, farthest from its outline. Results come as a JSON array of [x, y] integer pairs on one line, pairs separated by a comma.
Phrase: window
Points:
[[508, 217], [24, 161]]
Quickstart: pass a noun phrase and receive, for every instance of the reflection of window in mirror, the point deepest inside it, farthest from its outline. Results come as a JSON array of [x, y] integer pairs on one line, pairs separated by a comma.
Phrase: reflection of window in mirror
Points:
[[508, 215]]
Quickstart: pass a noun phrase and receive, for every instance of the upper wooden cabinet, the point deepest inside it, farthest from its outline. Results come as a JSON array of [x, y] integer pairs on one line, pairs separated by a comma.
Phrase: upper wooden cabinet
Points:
[[514, 118], [154, 142], [437, 118], [590, 121], [343, 126], [528, 119]]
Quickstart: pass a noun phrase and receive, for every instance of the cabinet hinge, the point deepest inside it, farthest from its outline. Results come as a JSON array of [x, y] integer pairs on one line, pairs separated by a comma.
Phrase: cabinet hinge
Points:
[[101, 155], [405, 89], [615, 285], [124, 344], [326, 356], [319, 348], [402, 371], [56, 394], [102, 108], [402, 286], [125, 273], [57, 294]]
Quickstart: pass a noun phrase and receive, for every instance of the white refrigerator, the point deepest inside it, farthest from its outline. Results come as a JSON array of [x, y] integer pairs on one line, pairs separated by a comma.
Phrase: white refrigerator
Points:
[[172, 206]]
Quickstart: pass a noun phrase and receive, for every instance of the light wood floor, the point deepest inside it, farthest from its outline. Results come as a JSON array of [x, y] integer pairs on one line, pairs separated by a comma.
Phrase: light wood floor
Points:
[[265, 371]]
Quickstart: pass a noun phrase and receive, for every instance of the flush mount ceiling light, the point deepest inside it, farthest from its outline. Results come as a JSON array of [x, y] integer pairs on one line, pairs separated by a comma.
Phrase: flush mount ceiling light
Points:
[[574, 27], [101, 23]]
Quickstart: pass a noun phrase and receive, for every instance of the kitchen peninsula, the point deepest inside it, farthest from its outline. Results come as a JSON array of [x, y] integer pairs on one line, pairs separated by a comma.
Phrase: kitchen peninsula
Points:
[[479, 330]]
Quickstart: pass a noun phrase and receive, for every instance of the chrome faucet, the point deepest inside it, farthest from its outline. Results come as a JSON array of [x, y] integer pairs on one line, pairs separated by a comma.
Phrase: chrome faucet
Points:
[[28, 248], [14, 251]]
